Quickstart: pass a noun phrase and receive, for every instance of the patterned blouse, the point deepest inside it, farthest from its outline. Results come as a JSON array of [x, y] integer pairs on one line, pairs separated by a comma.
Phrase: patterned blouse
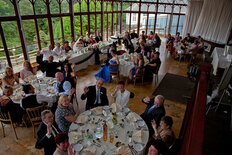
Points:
[[61, 112]]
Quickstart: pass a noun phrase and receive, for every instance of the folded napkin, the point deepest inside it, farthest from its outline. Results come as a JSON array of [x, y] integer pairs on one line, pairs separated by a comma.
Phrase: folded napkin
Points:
[[132, 117], [138, 136], [98, 110], [89, 151], [82, 119], [74, 137], [123, 150], [116, 107]]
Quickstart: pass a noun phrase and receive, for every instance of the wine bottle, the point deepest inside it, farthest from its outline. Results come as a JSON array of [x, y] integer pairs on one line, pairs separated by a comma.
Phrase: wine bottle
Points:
[[105, 131]]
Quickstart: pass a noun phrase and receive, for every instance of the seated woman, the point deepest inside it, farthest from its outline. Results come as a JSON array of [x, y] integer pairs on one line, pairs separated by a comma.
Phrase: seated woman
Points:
[[153, 65], [164, 131], [170, 44], [27, 70], [65, 114], [69, 75], [10, 78], [7, 105], [113, 62], [139, 64]]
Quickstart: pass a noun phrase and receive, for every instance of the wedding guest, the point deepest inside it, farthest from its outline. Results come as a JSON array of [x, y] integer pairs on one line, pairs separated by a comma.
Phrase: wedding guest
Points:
[[47, 52], [69, 75], [58, 51], [7, 105], [46, 133], [189, 38], [114, 62], [66, 47], [139, 64], [156, 41], [127, 42], [151, 35], [92, 40], [31, 100], [98, 37], [65, 114], [27, 70], [51, 67], [9, 78], [143, 36], [134, 35], [154, 111], [153, 65], [62, 145], [121, 95], [62, 86], [96, 95], [164, 132], [177, 37]]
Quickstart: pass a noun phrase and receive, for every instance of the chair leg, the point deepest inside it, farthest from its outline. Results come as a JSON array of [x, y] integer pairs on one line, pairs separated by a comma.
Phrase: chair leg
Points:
[[34, 131], [13, 127], [3, 130], [134, 81]]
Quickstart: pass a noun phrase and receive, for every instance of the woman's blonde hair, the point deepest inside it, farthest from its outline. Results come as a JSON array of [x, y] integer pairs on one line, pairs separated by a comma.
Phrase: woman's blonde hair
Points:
[[9, 68], [61, 100]]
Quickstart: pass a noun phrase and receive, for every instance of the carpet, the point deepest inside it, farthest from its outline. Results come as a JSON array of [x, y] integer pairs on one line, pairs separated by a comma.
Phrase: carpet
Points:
[[175, 88]]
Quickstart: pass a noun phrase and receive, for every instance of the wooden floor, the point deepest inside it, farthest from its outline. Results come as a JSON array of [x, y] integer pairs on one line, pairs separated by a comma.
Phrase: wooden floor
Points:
[[25, 144]]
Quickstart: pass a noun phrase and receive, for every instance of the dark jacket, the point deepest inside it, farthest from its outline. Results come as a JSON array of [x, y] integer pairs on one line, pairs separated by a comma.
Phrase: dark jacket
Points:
[[91, 97], [48, 144]]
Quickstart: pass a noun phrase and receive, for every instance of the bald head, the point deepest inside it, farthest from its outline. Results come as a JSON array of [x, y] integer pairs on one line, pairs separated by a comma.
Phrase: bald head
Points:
[[59, 77]]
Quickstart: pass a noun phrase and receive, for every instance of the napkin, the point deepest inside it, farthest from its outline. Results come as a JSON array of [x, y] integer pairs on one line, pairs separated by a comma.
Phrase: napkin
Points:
[[116, 107], [123, 150], [74, 137], [138, 136], [132, 117], [98, 110], [89, 151], [82, 119]]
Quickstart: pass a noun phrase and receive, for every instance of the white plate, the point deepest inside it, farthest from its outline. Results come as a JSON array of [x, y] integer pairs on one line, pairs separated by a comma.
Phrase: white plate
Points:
[[138, 147], [140, 123], [78, 147]]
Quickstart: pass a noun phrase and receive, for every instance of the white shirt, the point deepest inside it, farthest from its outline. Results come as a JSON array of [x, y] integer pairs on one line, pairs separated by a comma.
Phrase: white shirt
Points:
[[46, 54], [99, 97], [122, 98], [58, 51]]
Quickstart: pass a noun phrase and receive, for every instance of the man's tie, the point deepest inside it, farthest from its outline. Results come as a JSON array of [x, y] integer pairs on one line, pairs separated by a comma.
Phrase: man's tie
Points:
[[98, 96]]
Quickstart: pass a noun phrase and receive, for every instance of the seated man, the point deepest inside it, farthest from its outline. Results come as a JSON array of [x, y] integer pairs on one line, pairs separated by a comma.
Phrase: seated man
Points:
[[153, 65], [46, 133], [51, 67], [7, 105], [66, 47], [62, 87], [58, 51], [121, 95], [47, 53], [154, 111], [34, 100], [134, 35], [96, 95]]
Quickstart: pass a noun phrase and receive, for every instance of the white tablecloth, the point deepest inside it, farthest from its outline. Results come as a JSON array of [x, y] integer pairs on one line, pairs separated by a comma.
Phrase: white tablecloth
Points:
[[219, 60], [94, 119]]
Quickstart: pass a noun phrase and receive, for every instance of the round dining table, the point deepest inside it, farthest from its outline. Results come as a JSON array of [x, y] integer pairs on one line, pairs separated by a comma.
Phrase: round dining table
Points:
[[126, 132]]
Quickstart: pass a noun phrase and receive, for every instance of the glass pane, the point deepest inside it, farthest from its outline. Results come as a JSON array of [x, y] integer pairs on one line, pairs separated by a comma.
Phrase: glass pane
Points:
[[174, 24], [84, 24], [40, 7], [54, 7], [77, 26], [98, 6], [13, 42], [30, 35], [43, 32], [6, 8], [92, 6], [25, 7], [181, 24], [67, 28], [57, 29], [92, 24], [83, 6], [64, 6]]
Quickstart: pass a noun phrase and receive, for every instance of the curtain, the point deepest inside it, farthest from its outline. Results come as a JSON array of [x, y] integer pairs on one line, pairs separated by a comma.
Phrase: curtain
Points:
[[192, 16], [215, 21]]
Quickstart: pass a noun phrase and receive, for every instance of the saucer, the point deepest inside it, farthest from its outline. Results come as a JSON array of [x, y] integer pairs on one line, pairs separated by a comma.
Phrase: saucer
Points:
[[78, 147]]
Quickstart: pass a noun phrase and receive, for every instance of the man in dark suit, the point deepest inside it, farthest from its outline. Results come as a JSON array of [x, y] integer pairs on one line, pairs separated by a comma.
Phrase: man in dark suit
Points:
[[96, 95], [46, 133], [154, 111]]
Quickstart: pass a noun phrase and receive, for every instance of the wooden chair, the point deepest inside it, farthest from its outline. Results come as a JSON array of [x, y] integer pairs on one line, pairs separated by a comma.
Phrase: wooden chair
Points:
[[114, 73], [34, 115], [139, 76], [5, 118]]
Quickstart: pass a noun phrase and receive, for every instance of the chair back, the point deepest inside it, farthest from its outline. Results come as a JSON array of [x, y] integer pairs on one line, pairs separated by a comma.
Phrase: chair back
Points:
[[34, 114], [5, 117]]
